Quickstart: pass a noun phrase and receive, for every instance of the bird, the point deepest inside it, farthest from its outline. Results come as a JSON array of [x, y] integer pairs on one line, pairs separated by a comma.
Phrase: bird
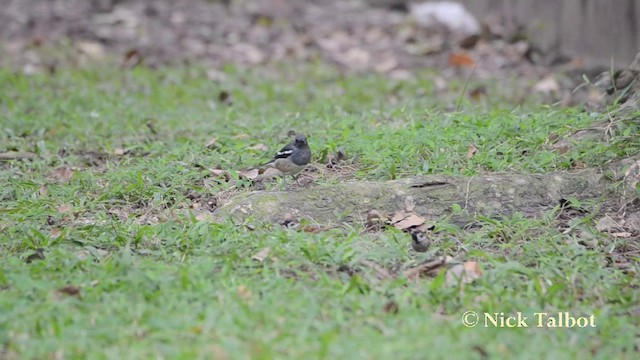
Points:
[[420, 242], [292, 158]]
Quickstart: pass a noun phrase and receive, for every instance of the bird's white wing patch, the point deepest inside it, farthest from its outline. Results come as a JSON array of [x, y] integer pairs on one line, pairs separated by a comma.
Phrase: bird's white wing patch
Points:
[[284, 153]]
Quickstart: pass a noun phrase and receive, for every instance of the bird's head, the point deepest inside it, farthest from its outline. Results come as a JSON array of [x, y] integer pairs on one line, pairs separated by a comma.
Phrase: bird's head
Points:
[[301, 140]]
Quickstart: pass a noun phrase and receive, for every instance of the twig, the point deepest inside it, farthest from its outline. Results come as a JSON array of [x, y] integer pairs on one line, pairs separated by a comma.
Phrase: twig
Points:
[[426, 267], [464, 89], [466, 195]]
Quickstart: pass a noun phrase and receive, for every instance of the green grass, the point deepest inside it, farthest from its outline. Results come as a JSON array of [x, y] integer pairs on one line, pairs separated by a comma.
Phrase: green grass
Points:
[[156, 282]]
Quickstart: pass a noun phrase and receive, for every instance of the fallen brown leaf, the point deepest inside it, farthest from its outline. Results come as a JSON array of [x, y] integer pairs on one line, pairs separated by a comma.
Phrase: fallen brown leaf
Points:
[[391, 307], [262, 254], [397, 217], [204, 216], [464, 273], [577, 164], [65, 208], [244, 292], [548, 85], [132, 58], [428, 267], [219, 172], [470, 41], [55, 233], [249, 173], [62, 174], [93, 50], [461, 59], [410, 221], [44, 190], [118, 151], [472, 151], [607, 224], [477, 93], [69, 290]]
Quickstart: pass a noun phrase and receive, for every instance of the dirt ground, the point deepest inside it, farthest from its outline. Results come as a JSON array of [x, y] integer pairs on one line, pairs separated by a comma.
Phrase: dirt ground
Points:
[[354, 35]]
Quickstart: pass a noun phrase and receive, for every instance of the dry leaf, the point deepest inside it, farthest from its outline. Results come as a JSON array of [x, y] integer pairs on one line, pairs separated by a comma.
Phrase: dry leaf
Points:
[[633, 221], [118, 151], [244, 292], [44, 190], [428, 267], [55, 233], [132, 58], [69, 290], [63, 174], [461, 60], [469, 41], [391, 307], [65, 208], [203, 216], [262, 254], [561, 149], [477, 93], [211, 143], [441, 84], [472, 151], [259, 147], [607, 224], [16, 155], [249, 173], [386, 64], [577, 164], [464, 273], [547, 86], [92, 49], [410, 221], [219, 172], [400, 215]]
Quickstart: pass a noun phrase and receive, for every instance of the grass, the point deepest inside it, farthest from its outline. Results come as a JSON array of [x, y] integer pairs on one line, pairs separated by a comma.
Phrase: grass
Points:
[[154, 280]]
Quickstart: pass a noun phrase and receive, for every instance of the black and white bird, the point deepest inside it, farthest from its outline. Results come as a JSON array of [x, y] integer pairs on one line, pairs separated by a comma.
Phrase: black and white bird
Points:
[[292, 158], [420, 242]]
